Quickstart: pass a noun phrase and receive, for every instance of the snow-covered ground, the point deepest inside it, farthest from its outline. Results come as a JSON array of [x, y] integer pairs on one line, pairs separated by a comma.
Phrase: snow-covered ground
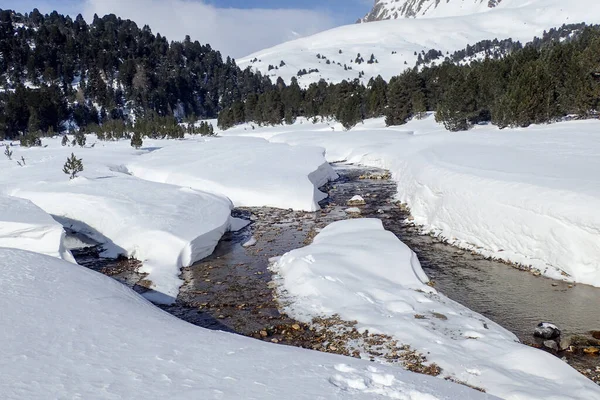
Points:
[[359, 271], [163, 226], [250, 171], [526, 195], [68, 332], [166, 226], [396, 43], [23, 225]]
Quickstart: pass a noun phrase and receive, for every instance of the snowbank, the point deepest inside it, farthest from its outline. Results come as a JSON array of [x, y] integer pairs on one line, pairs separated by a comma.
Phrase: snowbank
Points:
[[361, 272], [25, 226], [163, 226], [250, 171], [70, 332], [525, 195]]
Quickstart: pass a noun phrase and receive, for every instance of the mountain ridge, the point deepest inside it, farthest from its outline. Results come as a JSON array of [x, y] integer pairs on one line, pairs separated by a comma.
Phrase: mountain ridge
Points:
[[388, 47], [397, 9]]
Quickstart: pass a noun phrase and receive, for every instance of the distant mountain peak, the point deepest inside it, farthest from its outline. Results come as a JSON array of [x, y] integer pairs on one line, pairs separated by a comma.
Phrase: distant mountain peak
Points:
[[396, 9]]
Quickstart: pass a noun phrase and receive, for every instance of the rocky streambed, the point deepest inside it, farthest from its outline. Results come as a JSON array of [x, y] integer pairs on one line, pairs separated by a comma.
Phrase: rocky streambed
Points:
[[232, 290]]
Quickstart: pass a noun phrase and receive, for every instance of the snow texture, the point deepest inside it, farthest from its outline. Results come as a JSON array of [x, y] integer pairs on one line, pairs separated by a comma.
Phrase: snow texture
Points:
[[250, 171], [363, 273], [396, 44], [25, 226], [165, 227], [69, 332]]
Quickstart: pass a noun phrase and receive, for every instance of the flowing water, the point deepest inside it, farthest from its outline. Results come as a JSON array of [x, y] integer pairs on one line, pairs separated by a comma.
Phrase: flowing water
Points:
[[231, 289]]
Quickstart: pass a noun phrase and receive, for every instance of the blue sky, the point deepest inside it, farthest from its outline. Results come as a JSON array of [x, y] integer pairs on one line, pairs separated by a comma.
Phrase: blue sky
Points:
[[347, 11], [343, 11], [235, 27]]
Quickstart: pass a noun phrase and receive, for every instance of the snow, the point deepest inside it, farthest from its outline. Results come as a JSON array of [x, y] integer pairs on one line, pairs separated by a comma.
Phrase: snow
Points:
[[394, 42], [357, 199], [26, 226], [353, 210], [165, 227], [170, 223], [251, 242], [71, 332], [250, 171], [526, 195], [362, 273], [393, 9]]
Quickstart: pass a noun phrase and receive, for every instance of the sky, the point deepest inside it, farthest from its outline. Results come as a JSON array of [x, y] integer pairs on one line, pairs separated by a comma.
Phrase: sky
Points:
[[234, 27]]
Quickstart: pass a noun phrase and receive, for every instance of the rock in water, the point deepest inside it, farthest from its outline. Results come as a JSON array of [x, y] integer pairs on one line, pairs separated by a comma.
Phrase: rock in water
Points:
[[356, 201], [551, 344], [546, 330], [565, 343]]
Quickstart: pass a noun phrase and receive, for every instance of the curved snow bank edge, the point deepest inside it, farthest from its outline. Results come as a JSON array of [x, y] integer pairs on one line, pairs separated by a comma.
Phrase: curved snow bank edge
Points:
[[359, 271]]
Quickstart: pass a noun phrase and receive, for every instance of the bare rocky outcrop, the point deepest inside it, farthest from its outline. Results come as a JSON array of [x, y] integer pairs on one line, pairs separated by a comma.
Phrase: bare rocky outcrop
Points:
[[396, 9]]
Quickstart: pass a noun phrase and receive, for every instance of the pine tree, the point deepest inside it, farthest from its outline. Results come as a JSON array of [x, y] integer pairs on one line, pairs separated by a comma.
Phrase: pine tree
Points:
[[8, 152], [136, 139], [418, 104], [65, 140], [398, 109], [80, 138], [73, 166]]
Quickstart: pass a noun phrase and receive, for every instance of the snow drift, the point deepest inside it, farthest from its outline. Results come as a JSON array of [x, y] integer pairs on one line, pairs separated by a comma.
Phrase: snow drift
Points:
[[361, 272], [70, 332], [250, 171], [163, 226], [25, 226], [526, 195]]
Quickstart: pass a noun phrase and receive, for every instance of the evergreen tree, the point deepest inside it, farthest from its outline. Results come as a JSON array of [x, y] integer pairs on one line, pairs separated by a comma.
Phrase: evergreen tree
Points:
[[73, 166], [80, 138], [8, 152], [65, 140], [398, 109], [136, 139]]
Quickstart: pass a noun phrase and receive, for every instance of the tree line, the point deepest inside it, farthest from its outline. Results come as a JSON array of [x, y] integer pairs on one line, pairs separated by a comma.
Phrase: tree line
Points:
[[57, 72], [543, 81]]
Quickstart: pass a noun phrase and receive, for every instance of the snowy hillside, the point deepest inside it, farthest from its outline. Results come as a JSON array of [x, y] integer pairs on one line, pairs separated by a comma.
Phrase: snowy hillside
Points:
[[345, 52]]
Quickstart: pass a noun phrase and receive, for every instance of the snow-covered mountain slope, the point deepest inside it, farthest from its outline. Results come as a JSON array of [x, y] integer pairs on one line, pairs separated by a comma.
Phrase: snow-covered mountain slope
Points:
[[395, 44], [395, 9]]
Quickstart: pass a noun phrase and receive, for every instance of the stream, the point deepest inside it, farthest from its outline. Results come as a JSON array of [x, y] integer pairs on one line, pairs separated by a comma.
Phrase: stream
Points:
[[231, 290]]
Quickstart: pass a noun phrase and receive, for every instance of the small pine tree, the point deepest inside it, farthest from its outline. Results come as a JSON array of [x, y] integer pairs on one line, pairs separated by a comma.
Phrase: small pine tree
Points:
[[65, 140], [8, 152], [136, 140], [73, 166], [80, 139]]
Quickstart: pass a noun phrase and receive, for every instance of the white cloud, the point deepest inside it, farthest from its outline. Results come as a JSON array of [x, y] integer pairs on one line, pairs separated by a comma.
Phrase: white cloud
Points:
[[235, 32]]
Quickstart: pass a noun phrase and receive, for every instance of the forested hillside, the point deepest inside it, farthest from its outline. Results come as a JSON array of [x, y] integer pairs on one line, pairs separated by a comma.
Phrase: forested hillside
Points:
[[57, 72], [550, 78]]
